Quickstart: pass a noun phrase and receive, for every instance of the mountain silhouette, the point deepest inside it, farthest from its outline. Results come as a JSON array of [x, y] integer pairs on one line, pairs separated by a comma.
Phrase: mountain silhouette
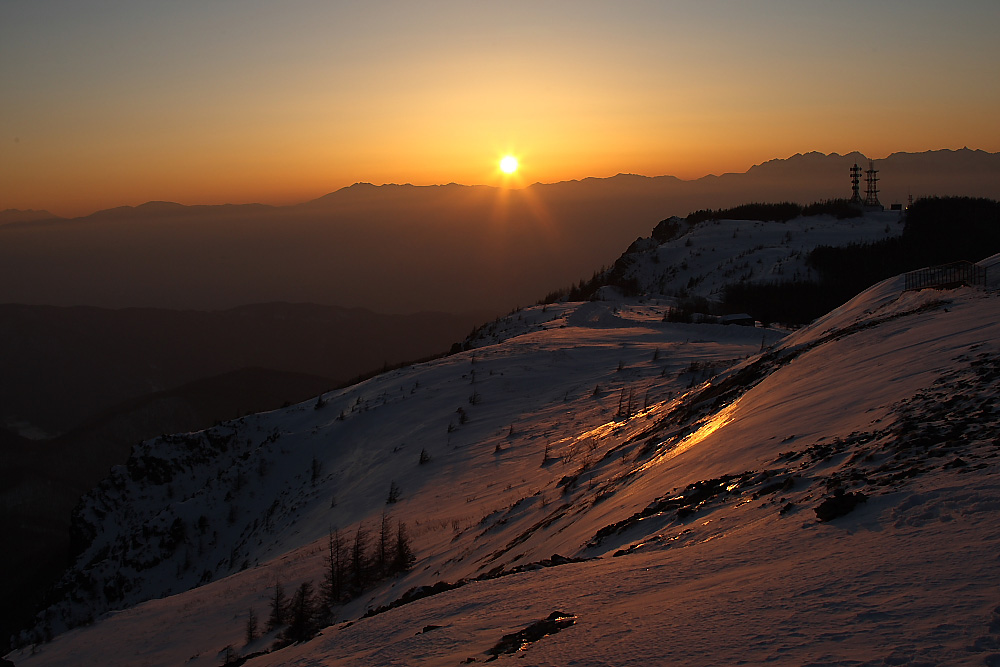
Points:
[[402, 248]]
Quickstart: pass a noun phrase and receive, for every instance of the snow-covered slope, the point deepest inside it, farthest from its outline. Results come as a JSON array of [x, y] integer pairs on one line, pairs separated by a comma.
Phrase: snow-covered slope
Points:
[[703, 258], [715, 495], [681, 259]]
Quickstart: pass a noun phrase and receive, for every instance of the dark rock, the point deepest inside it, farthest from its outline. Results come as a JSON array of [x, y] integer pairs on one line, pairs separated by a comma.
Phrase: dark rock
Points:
[[514, 642], [839, 504], [568, 481], [684, 512], [785, 485]]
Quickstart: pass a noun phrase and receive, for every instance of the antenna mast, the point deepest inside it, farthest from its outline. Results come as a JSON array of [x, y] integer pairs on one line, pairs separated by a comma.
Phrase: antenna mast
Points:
[[871, 197], [855, 184]]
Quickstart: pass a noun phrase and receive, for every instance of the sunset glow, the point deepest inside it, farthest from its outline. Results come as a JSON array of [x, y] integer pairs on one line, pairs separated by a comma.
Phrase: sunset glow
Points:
[[119, 103]]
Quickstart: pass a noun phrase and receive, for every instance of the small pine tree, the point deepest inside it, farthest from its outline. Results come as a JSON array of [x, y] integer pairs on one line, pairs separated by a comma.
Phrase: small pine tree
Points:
[[383, 548], [359, 558], [424, 457], [279, 608], [251, 626], [302, 615], [393, 496], [402, 553], [315, 468], [335, 575]]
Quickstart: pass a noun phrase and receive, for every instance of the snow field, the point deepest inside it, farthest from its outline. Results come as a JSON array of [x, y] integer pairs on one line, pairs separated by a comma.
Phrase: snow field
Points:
[[719, 560]]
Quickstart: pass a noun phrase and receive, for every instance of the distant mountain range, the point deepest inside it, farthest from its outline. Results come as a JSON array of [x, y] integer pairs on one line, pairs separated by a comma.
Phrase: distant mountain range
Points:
[[402, 248], [939, 172]]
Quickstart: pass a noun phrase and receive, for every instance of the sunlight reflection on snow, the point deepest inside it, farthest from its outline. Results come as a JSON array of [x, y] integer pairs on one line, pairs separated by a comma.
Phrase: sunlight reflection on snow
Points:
[[720, 419]]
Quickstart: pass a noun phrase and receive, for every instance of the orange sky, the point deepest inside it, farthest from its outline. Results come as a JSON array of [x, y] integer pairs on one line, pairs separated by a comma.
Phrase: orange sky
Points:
[[111, 103]]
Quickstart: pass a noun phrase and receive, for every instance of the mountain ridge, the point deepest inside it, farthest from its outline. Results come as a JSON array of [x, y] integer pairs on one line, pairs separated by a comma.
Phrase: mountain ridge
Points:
[[962, 158]]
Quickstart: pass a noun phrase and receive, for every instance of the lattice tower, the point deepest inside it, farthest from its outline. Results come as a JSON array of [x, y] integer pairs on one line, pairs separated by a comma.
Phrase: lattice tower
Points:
[[871, 196], [855, 184]]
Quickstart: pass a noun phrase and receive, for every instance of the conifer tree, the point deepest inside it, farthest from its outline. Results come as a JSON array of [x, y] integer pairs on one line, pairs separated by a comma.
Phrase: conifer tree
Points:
[[359, 558], [403, 556], [393, 496], [251, 626], [384, 546], [279, 608], [335, 576], [302, 615]]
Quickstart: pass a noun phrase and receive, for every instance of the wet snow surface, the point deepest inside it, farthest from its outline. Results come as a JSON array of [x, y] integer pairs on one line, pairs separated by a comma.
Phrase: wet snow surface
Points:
[[603, 489]]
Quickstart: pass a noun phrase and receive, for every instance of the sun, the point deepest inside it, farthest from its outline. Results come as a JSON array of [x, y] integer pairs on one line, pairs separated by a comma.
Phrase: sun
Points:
[[508, 164]]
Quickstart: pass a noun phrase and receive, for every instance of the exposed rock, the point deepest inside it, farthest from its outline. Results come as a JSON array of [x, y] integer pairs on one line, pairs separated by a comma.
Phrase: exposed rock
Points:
[[514, 642], [839, 504]]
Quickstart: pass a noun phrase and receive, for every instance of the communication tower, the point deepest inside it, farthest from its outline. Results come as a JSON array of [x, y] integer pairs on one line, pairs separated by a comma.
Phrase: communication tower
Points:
[[855, 184], [871, 176]]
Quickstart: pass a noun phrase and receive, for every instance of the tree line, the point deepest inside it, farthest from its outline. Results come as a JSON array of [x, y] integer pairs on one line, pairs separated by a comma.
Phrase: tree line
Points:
[[938, 230], [352, 564]]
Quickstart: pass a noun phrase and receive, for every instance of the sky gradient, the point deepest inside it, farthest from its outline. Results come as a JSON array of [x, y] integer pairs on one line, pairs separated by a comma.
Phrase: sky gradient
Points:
[[121, 102]]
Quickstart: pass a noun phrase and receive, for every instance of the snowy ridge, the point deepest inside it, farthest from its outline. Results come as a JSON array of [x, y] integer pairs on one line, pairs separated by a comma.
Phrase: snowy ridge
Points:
[[703, 258], [681, 259], [686, 462]]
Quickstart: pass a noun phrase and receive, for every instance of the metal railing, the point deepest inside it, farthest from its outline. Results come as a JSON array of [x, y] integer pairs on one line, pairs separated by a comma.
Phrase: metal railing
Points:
[[946, 276]]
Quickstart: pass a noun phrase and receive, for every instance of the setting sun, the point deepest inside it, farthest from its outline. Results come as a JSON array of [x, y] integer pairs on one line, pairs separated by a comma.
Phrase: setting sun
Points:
[[508, 164]]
